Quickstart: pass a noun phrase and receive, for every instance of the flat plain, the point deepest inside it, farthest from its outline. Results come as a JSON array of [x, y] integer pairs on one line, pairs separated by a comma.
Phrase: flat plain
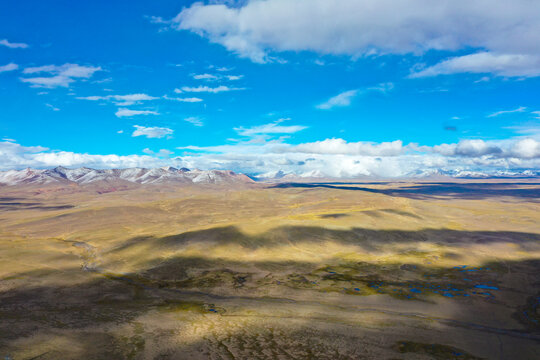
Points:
[[379, 270]]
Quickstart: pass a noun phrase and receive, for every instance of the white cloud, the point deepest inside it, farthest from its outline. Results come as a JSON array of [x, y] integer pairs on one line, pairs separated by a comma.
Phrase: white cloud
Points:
[[194, 120], [128, 112], [122, 100], [218, 89], [483, 79], [256, 29], [330, 157], [345, 98], [43, 68], [382, 87], [188, 99], [49, 82], [10, 147], [157, 20], [271, 128], [8, 67], [15, 156], [211, 77], [160, 153], [526, 148], [340, 100], [510, 65], [503, 112], [164, 153], [339, 146], [530, 129], [5, 42], [471, 148], [520, 148], [60, 76], [205, 77], [338, 158], [151, 132], [52, 107]]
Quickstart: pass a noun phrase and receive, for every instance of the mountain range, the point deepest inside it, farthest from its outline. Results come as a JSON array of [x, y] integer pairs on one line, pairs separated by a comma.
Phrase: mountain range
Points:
[[86, 175], [171, 175]]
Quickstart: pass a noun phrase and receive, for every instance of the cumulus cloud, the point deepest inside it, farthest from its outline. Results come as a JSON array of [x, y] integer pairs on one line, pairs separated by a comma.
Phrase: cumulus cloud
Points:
[[59, 76], [526, 148], [122, 100], [217, 89], [123, 112], [469, 148], [11, 45], [509, 65], [329, 158], [194, 120], [151, 132], [338, 158], [256, 29], [8, 67], [15, 156]]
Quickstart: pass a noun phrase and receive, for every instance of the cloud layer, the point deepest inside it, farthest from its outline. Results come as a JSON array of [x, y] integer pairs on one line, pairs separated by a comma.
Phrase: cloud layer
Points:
[[507, 33], [509, 65], [58, 76], [329, 158]]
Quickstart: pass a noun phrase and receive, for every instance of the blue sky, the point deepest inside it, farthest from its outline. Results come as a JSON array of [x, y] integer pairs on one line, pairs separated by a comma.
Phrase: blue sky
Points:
[[263, 86]]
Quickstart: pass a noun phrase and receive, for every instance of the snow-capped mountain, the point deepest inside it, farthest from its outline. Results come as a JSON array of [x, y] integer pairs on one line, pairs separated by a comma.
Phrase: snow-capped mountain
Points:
[[131, 175], [468, 174], [277, 175]]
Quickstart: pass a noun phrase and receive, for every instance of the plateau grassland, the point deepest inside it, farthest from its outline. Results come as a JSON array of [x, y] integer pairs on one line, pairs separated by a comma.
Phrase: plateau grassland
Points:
[[381, 270]]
